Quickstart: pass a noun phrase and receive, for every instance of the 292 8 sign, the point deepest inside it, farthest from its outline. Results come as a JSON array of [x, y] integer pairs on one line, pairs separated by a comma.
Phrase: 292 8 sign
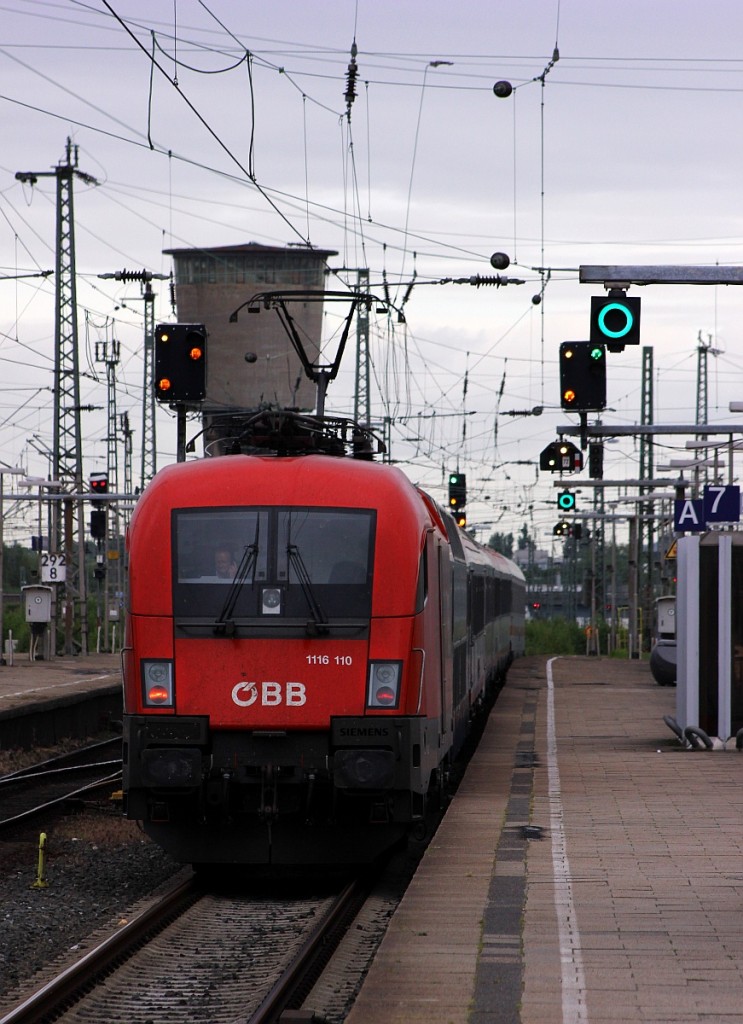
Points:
[[53, 567]]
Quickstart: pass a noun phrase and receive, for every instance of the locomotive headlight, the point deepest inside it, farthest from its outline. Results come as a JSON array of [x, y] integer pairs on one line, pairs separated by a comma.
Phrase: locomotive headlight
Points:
[[157, 683], [384, 684], [271, 601]]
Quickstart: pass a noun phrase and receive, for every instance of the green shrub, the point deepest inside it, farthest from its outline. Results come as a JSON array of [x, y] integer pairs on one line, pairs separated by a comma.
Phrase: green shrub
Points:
[[15, 620], [554, 636]]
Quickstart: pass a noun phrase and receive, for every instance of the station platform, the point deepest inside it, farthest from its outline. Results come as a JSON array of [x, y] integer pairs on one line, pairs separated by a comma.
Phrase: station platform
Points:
[[589, 868], [43, 702]]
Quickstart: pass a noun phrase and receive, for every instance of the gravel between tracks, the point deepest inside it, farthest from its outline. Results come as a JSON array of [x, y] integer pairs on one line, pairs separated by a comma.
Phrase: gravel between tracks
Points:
[[97, 867]]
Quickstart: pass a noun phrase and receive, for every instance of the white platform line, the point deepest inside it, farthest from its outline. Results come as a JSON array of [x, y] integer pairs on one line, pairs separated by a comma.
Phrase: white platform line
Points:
[[574, 1009], [56, 686]]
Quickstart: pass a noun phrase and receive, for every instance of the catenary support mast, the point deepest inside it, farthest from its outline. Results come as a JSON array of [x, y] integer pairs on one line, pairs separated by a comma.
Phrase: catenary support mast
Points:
[[67, 444]]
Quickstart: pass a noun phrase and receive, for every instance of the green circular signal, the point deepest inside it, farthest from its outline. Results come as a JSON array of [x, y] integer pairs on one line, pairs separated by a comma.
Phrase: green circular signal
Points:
[[566, 501], [620, 315]]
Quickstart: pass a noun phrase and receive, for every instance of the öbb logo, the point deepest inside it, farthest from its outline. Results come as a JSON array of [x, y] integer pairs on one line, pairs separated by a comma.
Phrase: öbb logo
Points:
[[271, 694]]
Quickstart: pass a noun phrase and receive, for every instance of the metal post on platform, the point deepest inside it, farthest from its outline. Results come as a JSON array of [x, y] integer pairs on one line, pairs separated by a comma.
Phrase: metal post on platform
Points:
[[634, 635], [724, 636], [687, 632]]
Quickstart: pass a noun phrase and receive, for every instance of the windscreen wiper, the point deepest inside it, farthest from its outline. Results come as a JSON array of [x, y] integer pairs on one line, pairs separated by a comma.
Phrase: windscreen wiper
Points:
[[224, 624], [318, 625]]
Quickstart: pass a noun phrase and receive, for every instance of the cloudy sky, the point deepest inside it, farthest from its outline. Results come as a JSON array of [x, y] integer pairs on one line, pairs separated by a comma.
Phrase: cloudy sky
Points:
[[208, 122]]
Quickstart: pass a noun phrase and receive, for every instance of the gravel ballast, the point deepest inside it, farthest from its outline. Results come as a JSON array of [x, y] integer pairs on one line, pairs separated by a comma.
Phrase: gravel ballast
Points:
[[97, 866]]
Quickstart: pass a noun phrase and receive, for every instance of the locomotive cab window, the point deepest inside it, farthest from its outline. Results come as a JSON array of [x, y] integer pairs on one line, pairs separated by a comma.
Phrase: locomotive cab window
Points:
[[211, 544], [333, 547], [268, 566]]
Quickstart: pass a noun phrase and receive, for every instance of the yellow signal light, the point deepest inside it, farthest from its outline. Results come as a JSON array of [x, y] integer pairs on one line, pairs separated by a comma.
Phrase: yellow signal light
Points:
[[568, 395]]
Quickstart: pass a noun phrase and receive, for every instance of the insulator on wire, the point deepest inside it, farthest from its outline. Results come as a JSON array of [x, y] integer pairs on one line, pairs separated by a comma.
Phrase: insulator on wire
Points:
[[478, 281], [408, 290], [351, 74]]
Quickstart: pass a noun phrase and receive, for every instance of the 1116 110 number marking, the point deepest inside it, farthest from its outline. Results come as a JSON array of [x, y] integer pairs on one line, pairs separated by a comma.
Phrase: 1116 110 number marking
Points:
[[327, 659]]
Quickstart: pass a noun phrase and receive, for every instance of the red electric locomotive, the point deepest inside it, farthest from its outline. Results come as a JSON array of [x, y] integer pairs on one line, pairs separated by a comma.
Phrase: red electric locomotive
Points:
[[308, 638]]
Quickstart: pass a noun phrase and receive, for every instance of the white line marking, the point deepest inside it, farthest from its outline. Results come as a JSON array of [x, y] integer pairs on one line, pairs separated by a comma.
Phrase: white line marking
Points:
[[574, 1009], [56, 686]]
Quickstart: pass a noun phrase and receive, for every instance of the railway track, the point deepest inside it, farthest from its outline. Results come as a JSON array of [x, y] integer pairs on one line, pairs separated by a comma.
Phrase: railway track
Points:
[[36, 789], [200, 956]]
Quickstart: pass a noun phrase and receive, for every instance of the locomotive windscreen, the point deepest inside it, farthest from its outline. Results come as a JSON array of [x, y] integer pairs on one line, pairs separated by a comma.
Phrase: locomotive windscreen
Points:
[[273, 562]]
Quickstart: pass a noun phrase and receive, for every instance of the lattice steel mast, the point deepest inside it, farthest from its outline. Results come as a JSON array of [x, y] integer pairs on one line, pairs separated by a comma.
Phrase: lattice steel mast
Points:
[[67, 445], [149, 445], [362, 398]]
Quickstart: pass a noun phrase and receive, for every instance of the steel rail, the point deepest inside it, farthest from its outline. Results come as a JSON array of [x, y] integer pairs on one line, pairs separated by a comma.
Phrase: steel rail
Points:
[[319, 945], [32, 812], [64, 988]]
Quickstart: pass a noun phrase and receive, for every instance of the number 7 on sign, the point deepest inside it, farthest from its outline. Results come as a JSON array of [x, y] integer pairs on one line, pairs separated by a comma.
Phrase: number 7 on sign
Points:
[[722, 504]]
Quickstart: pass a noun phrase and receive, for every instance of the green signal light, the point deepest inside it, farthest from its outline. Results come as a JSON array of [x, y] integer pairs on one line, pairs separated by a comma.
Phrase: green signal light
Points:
[[597, 352], [618, 313], [566, 501]]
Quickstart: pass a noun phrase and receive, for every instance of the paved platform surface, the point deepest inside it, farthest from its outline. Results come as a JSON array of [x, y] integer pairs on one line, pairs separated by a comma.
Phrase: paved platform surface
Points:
[[42, 702], [589, 869]]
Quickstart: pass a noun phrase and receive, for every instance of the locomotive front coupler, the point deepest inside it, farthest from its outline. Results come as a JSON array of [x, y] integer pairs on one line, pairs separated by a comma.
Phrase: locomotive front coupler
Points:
[[268, 809]]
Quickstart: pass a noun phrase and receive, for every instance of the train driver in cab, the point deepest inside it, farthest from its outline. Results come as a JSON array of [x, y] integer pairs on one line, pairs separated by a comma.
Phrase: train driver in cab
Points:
[[225, 566]]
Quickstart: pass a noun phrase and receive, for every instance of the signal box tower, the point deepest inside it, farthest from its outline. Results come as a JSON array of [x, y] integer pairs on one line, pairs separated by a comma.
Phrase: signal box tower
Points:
[[211, 283]]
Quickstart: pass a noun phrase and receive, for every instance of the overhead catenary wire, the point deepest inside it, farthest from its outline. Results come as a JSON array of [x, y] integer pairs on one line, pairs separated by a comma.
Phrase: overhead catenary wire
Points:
[[206, 125], [418, 346]]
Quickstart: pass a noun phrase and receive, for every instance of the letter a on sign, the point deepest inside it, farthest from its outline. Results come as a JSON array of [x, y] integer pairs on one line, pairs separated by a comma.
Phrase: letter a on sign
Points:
[[688, 515]]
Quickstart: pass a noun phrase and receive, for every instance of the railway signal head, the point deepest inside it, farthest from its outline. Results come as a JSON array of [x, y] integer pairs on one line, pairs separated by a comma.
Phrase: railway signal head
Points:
[[596, 461], [615, 320], [566, 501], [98, 524], [180, 363], [582, 375], [457, 491], [98, 483], [561, 457], [561, 529]]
